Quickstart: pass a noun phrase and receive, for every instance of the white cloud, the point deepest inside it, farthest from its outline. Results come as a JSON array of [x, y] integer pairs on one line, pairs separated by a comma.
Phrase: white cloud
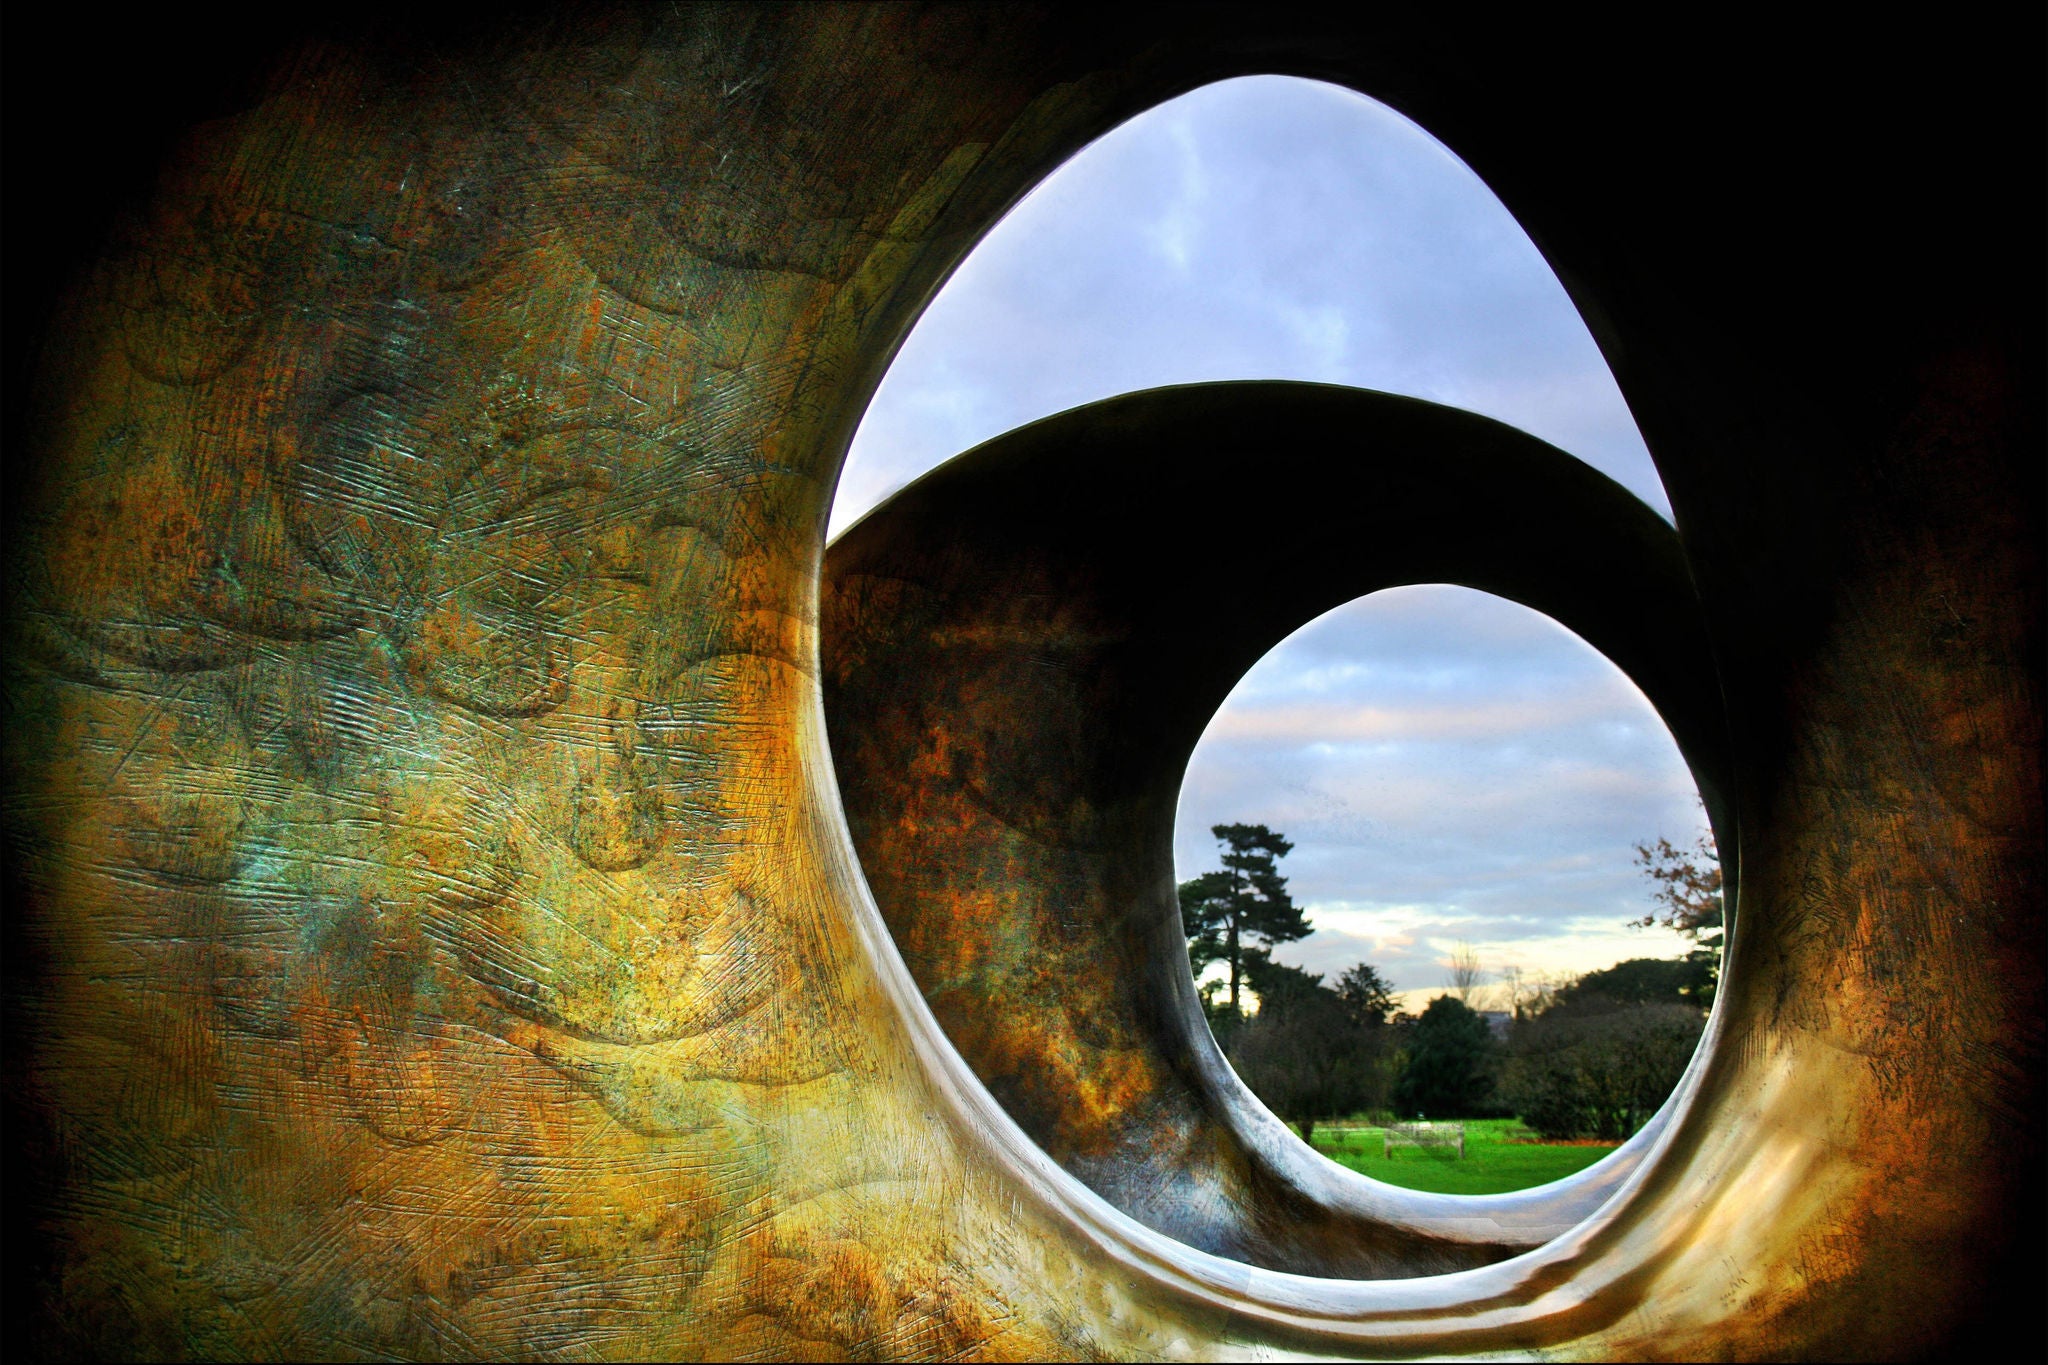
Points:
[[1333, 721]]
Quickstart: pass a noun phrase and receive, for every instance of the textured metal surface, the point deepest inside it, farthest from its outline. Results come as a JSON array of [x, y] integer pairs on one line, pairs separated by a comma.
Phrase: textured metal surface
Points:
[[1020, 653], [433, 925]]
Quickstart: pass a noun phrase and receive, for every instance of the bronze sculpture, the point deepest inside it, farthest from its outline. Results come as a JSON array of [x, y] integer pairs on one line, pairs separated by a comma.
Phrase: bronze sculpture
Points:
[[436, 927]]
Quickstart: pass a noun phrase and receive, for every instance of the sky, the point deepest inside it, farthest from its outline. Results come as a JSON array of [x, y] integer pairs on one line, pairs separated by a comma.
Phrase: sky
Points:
[[1451, 767]]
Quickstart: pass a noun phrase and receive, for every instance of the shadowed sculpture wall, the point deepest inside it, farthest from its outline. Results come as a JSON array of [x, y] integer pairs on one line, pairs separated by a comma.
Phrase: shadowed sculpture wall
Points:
[[1020, 653], [435, 928]]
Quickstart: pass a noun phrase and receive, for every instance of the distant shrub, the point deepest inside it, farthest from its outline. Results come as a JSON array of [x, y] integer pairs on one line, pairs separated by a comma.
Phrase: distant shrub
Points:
[[1592, 1067], [1647, 981], [1309, 1053]]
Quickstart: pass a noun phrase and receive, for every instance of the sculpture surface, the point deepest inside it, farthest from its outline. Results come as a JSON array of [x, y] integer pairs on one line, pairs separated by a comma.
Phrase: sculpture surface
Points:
[[435, 928], [1017, 667]]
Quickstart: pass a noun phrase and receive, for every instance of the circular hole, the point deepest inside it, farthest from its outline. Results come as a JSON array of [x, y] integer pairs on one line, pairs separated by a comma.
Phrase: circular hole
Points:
[[1436, 821], [1015, 678]]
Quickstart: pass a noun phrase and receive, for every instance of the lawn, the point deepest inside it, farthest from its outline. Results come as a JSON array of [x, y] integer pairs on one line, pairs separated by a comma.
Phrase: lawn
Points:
[[1492, 1164]]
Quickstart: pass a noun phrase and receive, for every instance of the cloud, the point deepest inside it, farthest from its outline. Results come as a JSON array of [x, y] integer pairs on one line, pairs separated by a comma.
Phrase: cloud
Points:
[[1417, 958], [1335, 721]]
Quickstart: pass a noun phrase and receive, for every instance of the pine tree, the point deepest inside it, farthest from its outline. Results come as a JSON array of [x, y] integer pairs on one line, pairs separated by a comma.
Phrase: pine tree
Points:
[[1368, 997], [1237, 914]]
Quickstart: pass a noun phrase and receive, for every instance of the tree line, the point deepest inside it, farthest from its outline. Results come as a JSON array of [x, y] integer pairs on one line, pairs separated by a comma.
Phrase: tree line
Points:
[[1592, 1057]]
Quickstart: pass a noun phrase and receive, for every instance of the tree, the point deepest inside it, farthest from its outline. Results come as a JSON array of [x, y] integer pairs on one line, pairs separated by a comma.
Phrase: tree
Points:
[[1306, 1053], [1222, 1022], [1237, 914], [1592, 1066], [1645, 981], [1368, 997], [1449, 1068], [1526, 991], [1603, 1052], [1688, 883], [1465, 973]]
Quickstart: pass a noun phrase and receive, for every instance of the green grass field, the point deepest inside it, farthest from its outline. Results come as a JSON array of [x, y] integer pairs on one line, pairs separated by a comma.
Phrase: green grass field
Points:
[[1491, 1164]]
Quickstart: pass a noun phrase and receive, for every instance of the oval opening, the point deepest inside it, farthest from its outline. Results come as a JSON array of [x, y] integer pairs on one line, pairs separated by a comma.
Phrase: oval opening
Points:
[[1264, 227], [1258, 228], [1437, 820]]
